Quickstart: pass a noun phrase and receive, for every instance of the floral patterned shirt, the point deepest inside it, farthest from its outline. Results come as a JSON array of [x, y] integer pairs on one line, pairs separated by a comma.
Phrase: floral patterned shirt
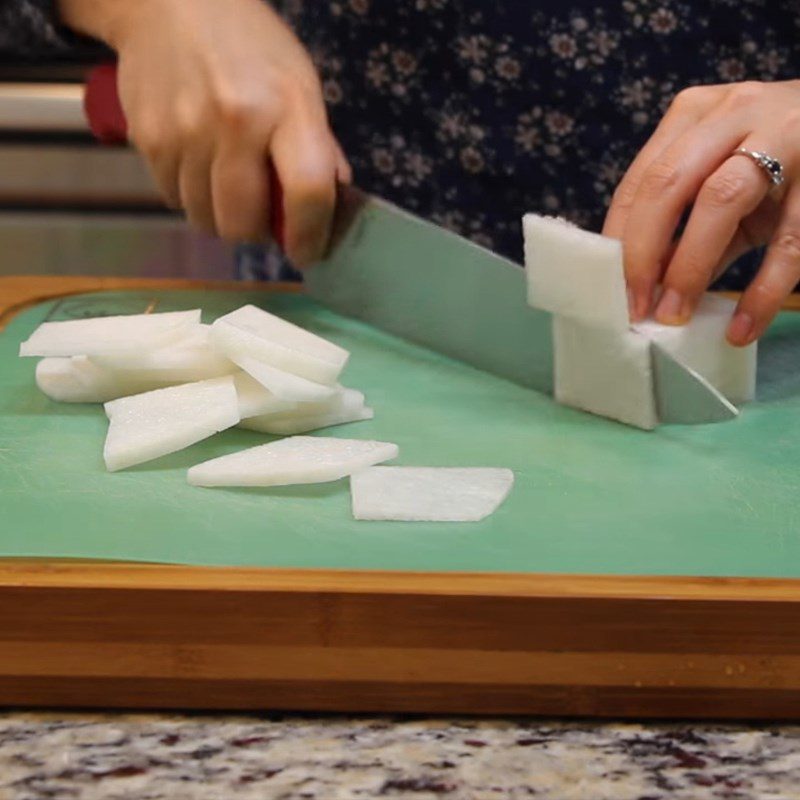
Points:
[[471, 113]]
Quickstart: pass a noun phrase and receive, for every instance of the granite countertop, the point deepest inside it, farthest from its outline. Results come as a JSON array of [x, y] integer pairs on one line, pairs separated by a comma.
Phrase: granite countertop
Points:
[[148, 757]]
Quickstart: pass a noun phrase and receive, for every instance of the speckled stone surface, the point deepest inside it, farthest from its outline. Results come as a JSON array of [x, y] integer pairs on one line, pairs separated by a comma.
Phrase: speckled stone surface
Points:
[[141, 757]]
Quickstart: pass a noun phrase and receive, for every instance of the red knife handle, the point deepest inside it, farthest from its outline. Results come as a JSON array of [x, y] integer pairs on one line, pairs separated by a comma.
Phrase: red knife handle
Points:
[[108, 125]]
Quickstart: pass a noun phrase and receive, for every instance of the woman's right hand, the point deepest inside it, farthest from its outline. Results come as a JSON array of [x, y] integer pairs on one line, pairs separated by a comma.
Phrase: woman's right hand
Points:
[[212, 91]]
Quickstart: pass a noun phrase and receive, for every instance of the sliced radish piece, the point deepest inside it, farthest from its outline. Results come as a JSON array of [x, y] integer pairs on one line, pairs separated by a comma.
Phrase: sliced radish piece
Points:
[[290, 425], [285, 385], [348, 406], [575, 273], [108, 336], [188, 359], [154, 424], [300, 459], [605, 372], [429, 494], [252, 332], [255, 400], [80, 380]]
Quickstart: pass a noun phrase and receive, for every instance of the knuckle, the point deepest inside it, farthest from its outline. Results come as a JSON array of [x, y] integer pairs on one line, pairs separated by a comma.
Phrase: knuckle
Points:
[[241, 109], [787, 243], [661, 177], [744, 95], [237, 113], [693, 98], [624, 195], [315, 187], [791, 123], [724, 189], [147, 138], [765, 296], [691, 275], [188, 125]]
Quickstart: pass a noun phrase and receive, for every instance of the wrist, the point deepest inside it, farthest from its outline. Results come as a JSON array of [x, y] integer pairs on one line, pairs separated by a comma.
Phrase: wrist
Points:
[[106, 20]]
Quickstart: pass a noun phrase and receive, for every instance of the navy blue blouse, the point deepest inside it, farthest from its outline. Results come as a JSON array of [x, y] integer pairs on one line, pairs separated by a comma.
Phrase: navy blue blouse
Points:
[[471, 113]]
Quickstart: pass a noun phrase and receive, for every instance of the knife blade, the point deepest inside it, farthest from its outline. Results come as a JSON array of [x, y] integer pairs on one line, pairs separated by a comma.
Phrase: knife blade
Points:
[[683, 396], [428, 285]]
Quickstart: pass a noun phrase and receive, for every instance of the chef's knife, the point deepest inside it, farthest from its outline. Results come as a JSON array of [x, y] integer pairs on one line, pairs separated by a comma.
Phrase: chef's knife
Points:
[[428, 285]]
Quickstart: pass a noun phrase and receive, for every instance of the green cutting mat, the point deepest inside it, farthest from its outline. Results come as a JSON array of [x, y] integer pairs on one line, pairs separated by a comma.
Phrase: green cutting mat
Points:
[[591, 496]]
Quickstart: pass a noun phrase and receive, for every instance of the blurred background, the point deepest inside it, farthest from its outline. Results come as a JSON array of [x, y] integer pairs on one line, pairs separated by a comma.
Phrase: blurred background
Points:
[[69, 205]]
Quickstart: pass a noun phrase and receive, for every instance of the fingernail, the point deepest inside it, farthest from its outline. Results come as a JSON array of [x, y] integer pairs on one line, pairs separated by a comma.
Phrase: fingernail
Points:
[[672, 308], [741, 328]]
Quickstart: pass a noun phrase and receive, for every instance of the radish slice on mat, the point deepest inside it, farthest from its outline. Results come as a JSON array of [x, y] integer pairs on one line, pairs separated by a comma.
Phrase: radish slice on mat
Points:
[[347, 406], [80, 380], [188, 359], [255, 400], [108, 336], [289, 426], [252, 332], [153, 424], [285, 385], [429, 494], [300, 459]]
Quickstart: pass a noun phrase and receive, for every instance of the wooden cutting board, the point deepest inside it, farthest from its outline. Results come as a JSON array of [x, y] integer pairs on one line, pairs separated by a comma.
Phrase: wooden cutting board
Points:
[[527, 611]]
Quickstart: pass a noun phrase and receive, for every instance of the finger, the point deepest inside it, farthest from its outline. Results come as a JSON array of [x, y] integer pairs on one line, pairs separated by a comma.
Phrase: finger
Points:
[[344, 172], [161, 154], [777, 277], [738, 246], [686, 110], [725, 199], [240, 191], [668, 185], [194, 181], [305, 160], [165, 175]]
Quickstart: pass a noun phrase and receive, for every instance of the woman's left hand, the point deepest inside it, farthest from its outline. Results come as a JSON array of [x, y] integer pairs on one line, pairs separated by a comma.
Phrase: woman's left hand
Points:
[[689, 162]]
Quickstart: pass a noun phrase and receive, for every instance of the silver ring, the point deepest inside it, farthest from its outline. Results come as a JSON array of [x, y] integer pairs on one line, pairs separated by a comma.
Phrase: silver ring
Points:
[[771, 166]]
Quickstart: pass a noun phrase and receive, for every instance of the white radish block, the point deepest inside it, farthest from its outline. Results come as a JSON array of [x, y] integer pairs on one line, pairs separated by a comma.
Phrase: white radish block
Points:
[[80, 380], [255, 400], [605, 372], [429, 494], [285, 385], [99, 336], [153, 424], [701, 345], [254, 333], [575, 273], [188, 359], [348, 405], [299, 459]]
